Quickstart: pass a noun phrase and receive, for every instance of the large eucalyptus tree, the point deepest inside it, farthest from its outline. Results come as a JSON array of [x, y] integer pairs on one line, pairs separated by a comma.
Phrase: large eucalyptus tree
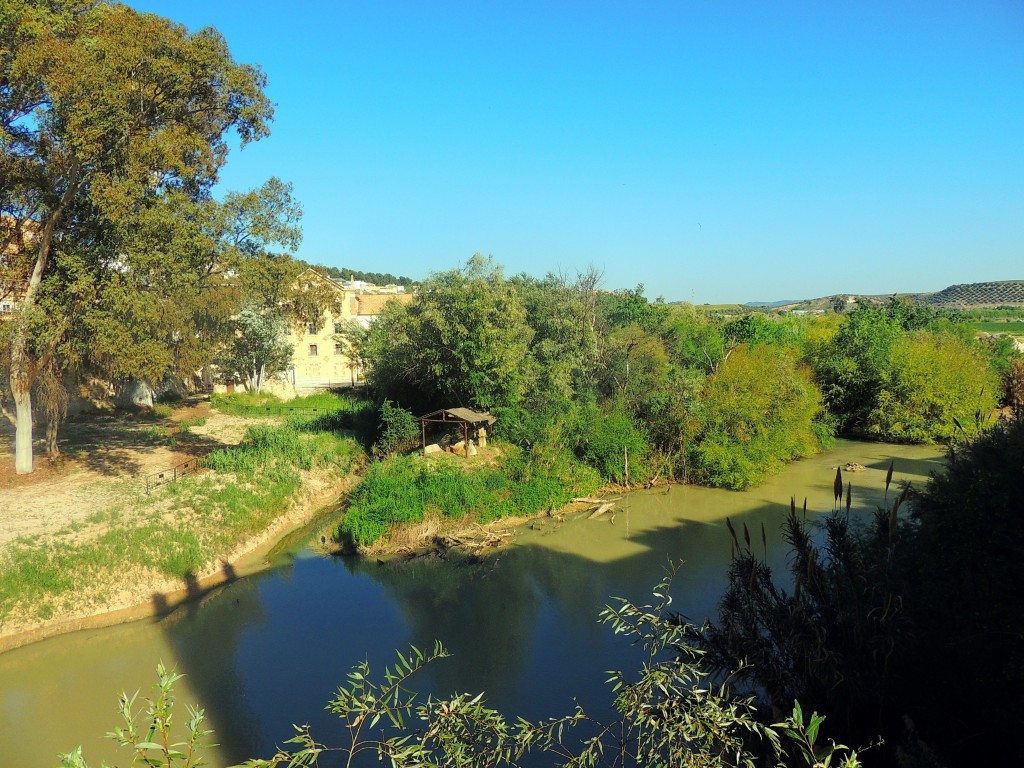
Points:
[[113, 127]]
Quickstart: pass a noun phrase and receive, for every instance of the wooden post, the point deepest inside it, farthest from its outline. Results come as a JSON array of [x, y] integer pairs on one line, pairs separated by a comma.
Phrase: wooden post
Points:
[[423, 427]]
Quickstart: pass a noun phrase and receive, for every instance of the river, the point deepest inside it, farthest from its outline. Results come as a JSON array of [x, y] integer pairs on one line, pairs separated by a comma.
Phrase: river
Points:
[[269, 650]]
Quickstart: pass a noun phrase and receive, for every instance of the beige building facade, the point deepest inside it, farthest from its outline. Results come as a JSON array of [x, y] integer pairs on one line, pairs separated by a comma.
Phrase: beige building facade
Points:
[[319, 358]]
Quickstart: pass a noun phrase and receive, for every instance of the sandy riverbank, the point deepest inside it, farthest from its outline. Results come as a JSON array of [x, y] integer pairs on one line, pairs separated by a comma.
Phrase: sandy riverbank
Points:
[[147, 594]]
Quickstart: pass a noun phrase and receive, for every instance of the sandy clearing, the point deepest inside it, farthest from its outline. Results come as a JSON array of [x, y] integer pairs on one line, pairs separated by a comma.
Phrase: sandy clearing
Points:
[[102, 472]]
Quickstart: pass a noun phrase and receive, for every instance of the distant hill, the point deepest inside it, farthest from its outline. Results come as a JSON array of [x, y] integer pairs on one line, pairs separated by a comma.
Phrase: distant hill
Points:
[[783, 303], [964, 296], [376, 278], [977, 294]]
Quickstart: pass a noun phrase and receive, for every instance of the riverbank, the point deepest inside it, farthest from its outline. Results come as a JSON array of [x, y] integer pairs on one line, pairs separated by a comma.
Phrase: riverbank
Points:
[[157, 596], [117, 553]]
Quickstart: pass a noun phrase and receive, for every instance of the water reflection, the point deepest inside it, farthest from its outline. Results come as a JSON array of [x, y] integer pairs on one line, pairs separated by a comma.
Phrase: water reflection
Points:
[[267, 651]]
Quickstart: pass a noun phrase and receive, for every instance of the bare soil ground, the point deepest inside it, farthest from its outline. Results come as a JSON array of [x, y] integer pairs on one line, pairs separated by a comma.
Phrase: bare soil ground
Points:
[[105, 460]]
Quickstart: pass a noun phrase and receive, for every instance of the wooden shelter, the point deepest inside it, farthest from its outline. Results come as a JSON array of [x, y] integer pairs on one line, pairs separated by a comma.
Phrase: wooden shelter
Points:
[[464, 416]]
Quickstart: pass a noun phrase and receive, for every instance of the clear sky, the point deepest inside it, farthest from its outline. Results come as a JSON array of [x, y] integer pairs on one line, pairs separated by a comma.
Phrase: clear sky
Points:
[[713, 151]]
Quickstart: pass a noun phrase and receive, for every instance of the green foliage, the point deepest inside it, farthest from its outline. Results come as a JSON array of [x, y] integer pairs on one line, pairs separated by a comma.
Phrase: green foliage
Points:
[[1013, 384], [757, 329], [635, 364], [150, 736], [465, 340], [757, 412], [931, 384], [258, 349], [964, 578], [399, 430], [565, 339], [115, 126], [853, 628], [884, 358], [377, 278], [849, 366], [828, 642], [623, 308], [695, 339], [611, 442]]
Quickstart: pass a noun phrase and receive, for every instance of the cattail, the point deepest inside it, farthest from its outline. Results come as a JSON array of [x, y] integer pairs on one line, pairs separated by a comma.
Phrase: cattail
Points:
[[837, 486], [895, 509], [735, 540], [849, 494], [764, 541], [888, 475], [746, 536]]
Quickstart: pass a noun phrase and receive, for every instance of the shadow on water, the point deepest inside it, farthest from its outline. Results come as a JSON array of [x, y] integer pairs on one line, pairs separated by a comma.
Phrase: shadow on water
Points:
[[266, 651]]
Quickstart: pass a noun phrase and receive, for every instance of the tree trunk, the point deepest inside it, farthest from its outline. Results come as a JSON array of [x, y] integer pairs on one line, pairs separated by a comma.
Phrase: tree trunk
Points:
[[21, 376], [52, 449], [23, 428]]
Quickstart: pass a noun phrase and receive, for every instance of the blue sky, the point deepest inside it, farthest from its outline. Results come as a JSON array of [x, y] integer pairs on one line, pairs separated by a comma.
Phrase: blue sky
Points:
[[712, 151]]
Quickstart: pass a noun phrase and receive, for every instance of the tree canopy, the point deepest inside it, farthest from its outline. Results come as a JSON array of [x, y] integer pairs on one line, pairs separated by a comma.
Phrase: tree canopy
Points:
[[464, 340], [114, 125]]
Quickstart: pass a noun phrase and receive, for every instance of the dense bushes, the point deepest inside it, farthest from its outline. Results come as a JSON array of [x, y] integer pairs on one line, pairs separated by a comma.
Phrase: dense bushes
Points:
[[903, 372], [613, 443], [759, 411], [930, 383]]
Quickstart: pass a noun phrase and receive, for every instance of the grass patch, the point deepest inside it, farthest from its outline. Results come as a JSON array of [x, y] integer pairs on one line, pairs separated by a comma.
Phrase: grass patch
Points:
[[252, 404], [404, 489]]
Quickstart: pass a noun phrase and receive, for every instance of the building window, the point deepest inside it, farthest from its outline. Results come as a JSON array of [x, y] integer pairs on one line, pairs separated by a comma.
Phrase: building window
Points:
[[339, 349], [337, 327], [312, 329], [312, 350]]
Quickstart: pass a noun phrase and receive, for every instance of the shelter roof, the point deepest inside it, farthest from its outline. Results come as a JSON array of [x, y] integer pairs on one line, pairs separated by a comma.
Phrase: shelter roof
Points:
[[460, 414]]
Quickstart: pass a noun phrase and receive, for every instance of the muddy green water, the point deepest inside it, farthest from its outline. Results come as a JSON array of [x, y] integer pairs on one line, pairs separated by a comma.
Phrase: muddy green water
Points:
[[269, 650]]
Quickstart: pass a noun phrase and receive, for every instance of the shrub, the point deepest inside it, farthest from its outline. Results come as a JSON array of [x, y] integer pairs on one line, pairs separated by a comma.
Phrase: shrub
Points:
[[399, 430], [610, 440], [759, 410], [931, 383]]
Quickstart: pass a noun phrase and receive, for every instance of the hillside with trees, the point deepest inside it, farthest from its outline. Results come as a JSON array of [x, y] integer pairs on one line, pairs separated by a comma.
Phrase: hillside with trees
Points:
[[992, 294], [376, 278]]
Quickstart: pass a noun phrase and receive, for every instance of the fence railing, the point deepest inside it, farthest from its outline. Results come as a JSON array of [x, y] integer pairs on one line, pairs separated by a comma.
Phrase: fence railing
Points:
[[171, 474]]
